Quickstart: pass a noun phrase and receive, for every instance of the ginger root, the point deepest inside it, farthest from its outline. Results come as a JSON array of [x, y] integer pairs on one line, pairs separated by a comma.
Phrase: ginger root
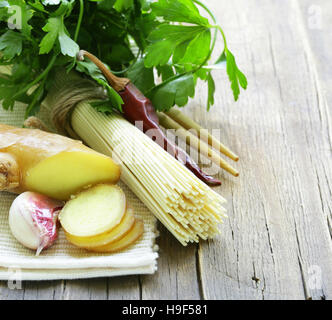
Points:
[[56, 166], [9, 172]]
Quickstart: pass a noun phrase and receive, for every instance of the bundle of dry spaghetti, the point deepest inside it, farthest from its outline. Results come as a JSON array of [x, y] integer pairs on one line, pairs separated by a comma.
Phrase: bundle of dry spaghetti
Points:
[[187, 207]]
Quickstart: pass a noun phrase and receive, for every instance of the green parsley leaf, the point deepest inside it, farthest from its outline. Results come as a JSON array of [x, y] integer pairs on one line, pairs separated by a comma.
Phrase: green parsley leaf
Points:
[[174, 92], [68, 46], [104, 106], [6, 95], [211, 91], [176, 33], [20, 72], [179, 11], [166, 38], [56, 30], [121, 5], [105, 5], [236, 77], [11, 44], [4, 15], [120, 54], [198, 49], [145, 4], [202, 74], [22, 13], [64, 9], [37, 6], [179, 52], [159, 53], [165, 71], [141, 76], [52, 28]]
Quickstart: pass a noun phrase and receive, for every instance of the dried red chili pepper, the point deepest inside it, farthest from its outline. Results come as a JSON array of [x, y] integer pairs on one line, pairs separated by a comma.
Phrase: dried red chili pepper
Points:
[[137, 107]]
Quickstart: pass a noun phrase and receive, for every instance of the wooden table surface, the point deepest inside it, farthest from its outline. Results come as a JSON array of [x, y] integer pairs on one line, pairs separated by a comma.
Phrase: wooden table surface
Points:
[[276, 243]]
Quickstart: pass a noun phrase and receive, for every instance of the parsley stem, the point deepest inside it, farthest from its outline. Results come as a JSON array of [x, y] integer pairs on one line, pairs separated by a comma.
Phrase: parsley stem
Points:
[[36, 95], [40, 77], [79, 21], [207, 10], [222, 33]]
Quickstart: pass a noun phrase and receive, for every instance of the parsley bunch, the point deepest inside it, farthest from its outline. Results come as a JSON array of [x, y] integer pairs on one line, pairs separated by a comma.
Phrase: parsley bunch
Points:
[[138, 39]]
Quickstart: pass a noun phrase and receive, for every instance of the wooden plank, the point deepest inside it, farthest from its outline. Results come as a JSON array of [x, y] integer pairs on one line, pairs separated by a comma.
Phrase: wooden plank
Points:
[[276, 243], [177, 276], [7, 292], [317, 22], [317, 25], [117, 288], [85, 289], [42, 290], [124, 288], [56, 290]]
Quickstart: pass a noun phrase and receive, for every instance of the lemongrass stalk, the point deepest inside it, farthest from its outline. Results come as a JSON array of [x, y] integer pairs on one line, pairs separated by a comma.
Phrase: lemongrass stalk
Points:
[[188, 124], [192, 140]]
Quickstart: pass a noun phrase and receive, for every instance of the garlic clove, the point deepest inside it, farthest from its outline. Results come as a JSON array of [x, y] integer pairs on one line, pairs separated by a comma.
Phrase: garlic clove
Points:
[[33, 220]]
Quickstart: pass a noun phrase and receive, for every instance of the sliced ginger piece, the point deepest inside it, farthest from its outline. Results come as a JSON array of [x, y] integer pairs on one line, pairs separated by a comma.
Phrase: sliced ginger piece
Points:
[[34, 160], [132, 236], [107, 237], [94, 211]]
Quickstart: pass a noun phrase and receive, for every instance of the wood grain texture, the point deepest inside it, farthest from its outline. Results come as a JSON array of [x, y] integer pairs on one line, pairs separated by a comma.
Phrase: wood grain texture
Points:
[[317, 21], [277, 242], [177, 276]]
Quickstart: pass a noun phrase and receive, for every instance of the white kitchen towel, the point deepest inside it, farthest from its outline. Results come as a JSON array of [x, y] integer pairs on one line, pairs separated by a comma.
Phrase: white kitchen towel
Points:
[[63, 260]]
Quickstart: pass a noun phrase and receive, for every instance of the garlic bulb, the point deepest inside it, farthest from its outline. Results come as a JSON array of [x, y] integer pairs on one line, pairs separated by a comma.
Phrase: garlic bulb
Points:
[[33, 220]]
